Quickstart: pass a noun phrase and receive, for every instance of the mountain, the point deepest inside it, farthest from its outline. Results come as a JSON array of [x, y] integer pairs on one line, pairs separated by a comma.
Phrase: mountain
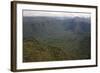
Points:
[[54, 26], [56, 38]]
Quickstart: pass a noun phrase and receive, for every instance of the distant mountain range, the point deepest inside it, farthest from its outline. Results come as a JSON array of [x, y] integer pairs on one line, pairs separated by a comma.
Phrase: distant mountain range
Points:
[[54, 26]]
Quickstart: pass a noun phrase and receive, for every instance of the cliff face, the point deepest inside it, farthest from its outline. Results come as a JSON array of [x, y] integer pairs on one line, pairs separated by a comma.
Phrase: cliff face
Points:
[[53, 26], [56, 38]]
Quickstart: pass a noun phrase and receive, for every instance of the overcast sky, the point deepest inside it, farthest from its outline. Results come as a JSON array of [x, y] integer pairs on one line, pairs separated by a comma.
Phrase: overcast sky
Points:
[[61, 14]]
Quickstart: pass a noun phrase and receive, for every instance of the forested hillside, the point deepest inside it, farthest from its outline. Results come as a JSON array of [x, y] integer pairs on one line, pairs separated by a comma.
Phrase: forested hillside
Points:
[[56, 38]]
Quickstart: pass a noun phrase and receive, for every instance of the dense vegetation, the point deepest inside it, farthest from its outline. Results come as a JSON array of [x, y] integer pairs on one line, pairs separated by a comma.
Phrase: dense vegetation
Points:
[[54, 39]]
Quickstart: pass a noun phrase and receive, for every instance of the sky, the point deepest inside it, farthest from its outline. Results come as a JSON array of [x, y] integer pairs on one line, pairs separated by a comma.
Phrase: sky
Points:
[[56, 14]]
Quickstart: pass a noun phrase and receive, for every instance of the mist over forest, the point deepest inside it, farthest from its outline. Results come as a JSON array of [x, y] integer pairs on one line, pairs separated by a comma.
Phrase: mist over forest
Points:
[[51, 38]]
